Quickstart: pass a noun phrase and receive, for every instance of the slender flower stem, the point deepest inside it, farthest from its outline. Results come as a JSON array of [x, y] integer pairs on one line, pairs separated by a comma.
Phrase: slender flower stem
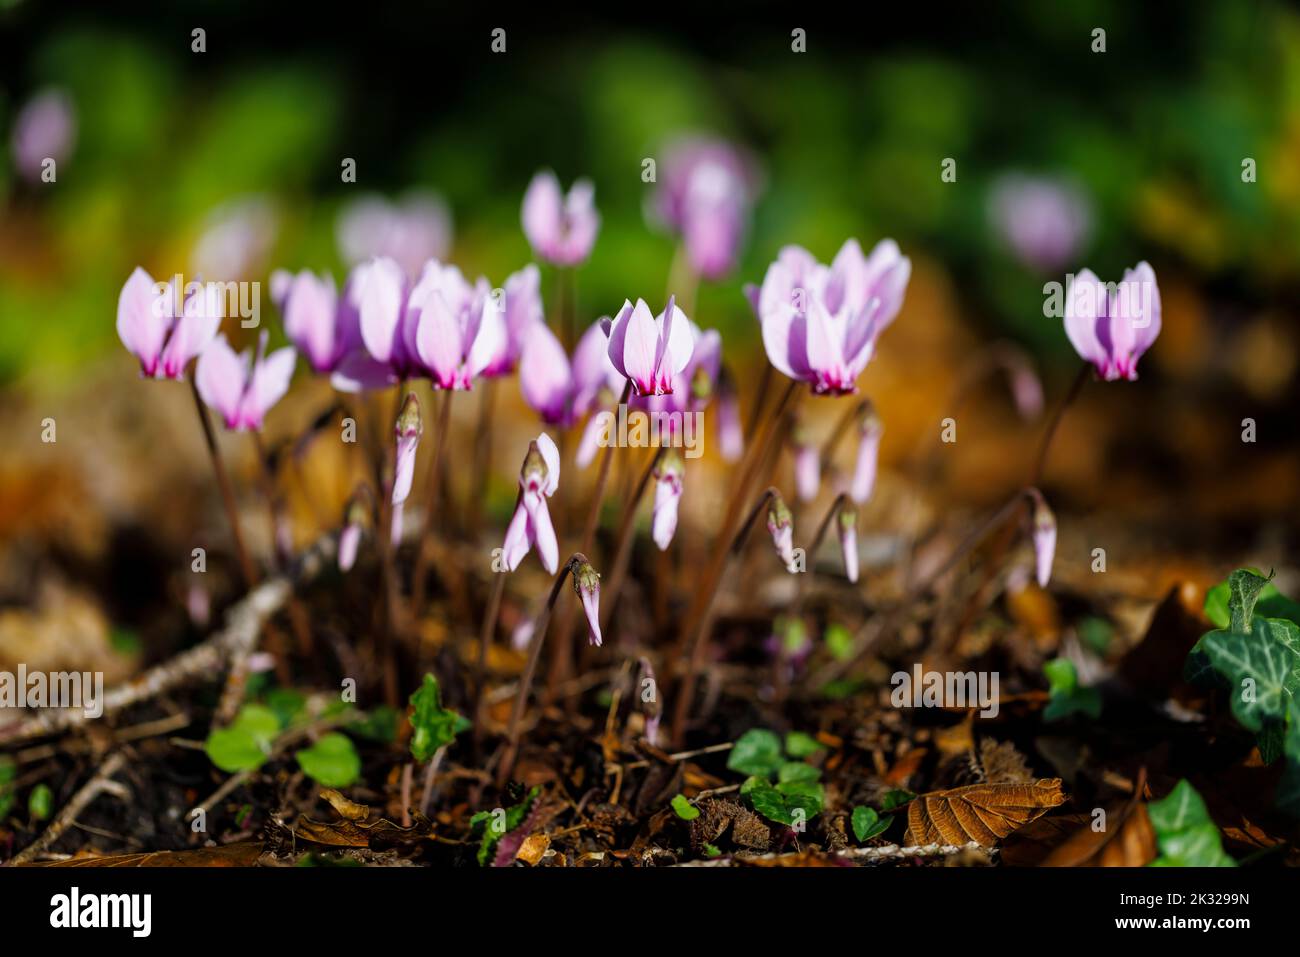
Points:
[[696, 641], [623, 546], [431, 507], [562, 661], [863, 642], [851, 415], [1050, 432], [247, 570], [530, 669], [489, 630], [482, 455]]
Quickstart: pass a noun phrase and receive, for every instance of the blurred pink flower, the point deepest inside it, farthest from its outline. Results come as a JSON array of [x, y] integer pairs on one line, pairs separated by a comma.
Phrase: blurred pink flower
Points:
[[706, 194], [45, 128], [807, 465], [158, 333], [1112, 327], [243, 387], [561, 229], [820, 323], [522, 307], [410, 230], [863, 482], [848, 522], [1043, 221], [237, 238], [322, 324], [531, 525], [559, 392]]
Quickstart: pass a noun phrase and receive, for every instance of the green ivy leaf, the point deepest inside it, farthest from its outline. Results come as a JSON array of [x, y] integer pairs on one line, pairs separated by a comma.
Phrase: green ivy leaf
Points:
[[1066, 695], [1288, 788], [896, 798], [799, 744], [245, 743], [798, 771], [779, 805], [1262, 668], [331, 761], [684, 808], [1230, 604], [433, 725], [1186, 834], [757, 752], [40, 802], [867, 823]]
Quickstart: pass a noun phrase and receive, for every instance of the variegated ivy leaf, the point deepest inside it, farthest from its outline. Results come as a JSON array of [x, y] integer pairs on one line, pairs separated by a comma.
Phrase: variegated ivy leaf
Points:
[[1262, 669]]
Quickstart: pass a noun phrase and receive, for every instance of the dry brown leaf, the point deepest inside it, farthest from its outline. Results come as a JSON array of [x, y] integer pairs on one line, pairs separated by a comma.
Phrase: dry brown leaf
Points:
[[1130, 841], [984, 813], [241, 854], [345, 808], [1003, 764], [534, 846]]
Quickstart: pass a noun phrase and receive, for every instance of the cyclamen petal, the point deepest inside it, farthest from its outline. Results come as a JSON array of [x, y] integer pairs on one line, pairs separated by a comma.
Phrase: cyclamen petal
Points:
[[560, 229], [807, 472], [349, 541], [586, 583], [545, 378], [669, 476], [650, 350], [1112, 327], [864, 469], [848, 520], [1044, 538], [242, 389]]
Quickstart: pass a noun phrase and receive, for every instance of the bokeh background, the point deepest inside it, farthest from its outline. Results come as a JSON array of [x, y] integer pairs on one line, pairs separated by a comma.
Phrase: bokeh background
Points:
[[169, 150]]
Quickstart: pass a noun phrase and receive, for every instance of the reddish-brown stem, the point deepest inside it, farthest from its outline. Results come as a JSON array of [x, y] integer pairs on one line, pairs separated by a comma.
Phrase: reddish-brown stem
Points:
[[482, 456], [432, 491], [246, 568], [623, 543], [1040, 462], [530, 669], [696, 641]]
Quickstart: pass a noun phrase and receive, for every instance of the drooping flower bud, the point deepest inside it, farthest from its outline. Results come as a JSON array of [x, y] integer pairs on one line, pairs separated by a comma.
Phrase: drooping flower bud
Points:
[[870, 430], [408, 429], [586, 585], [649, 702], [355, 518], [781, 525], [531, 525], [807, 465], [848, 521], [669, 472], [1044, 535]]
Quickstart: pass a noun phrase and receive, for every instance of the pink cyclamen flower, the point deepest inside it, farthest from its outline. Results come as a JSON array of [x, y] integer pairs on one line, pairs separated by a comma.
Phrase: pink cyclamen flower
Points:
[[650, 350], [243, 387], [1112, 326], [410, 230], [706, 194], [669, 474], [848, 521], [586, 585], [163, 335], [442, 327], [1042, 220], [820, 323], [531, 525], [560, 392], [780, 523], [863, 482], [407, 431], [237, 238], [561, 229], [45, 129], [522, 311], [323, 325], [1044, 536]]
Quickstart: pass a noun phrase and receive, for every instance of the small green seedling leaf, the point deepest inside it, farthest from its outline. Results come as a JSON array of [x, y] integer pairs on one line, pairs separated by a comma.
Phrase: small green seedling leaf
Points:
[[1185, 833], [1067, 696], [331, 761], [433, 725], [867, 823], [895, 799], [245, 743], [8, 771], [756, 752], [711, 851], [798, 771], [781, 803], [40, 802], [684, 808], [799, 744], [839, 641]]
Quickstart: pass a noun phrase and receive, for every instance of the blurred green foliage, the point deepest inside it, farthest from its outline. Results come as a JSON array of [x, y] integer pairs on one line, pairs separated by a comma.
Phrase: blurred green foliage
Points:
[[850, 142]]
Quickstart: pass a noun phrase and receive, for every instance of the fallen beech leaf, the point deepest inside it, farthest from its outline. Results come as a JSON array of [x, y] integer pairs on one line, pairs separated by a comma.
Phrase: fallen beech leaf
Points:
[[240, 854], [534, 846], [350, 810], [347, 833], [905, 767], [984, 813], [1128, 841]]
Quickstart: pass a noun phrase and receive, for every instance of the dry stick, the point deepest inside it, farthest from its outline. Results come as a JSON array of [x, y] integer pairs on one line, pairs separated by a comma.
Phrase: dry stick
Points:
[[623, 546], [418, 585], [890, 852], [689, 641], [102, 781], [530, 669], [562, 660], [246, 567], [204, 661], [697, 639]]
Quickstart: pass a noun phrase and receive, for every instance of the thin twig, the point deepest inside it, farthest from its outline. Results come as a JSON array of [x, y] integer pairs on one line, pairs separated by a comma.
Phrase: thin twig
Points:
[[98, 784]]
